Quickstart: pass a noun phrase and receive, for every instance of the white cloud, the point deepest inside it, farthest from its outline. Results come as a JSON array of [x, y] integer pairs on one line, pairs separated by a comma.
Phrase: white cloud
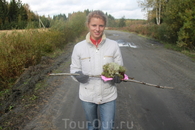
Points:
[[118, 9]]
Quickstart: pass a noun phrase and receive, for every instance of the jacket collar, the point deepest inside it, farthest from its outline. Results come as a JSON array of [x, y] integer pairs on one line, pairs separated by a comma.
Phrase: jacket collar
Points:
[[101, 42]]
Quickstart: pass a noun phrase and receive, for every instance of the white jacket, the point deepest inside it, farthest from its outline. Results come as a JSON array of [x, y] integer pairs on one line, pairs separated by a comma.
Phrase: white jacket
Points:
[[90, 60]]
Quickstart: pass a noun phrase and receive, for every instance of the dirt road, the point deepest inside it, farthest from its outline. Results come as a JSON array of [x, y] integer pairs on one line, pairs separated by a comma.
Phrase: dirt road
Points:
[[139, 107]]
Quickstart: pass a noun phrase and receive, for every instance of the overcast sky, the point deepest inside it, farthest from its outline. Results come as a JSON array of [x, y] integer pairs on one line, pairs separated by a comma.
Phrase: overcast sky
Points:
[[117, 8]]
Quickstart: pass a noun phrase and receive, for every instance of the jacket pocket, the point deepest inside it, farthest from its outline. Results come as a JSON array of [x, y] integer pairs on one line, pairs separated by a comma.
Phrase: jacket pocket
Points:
[[108, 59], [85, 63]]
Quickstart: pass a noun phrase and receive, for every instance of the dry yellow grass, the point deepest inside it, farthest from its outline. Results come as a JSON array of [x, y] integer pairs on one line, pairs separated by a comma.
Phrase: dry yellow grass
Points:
[[22, 48], [20, 30]]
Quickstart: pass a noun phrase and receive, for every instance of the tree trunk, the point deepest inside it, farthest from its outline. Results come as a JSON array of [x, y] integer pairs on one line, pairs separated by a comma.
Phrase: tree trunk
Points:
[[158, 12]]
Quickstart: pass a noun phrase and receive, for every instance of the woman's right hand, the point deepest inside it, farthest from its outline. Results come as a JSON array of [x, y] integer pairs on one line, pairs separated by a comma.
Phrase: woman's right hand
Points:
[[81, 77]]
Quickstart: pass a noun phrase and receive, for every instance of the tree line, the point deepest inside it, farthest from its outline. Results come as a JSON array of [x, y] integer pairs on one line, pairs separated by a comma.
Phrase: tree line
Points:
[[175, 19], [16, 15]]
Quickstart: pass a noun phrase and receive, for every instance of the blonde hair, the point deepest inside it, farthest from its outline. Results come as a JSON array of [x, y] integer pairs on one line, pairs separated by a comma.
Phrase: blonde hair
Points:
[[96, 14]]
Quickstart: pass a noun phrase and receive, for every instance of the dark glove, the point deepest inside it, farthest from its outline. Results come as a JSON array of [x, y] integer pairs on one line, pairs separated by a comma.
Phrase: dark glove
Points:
[[116, 79], [81, 77]]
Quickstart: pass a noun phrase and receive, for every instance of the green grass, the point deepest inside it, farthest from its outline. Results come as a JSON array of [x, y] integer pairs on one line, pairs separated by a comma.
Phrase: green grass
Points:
[[172, 47], [189, 53]]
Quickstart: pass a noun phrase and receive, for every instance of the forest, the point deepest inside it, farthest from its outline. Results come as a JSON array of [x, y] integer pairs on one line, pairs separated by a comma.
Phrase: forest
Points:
[[16, 15], [174, 20]]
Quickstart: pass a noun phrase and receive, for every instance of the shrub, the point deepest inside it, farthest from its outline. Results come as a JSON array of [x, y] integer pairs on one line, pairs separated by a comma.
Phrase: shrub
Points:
[[76, 23], [22, 49]]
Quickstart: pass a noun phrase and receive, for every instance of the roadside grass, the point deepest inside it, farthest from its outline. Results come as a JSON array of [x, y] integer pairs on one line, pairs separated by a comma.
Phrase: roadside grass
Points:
[[172, 47], [189, 53], [21, 49]]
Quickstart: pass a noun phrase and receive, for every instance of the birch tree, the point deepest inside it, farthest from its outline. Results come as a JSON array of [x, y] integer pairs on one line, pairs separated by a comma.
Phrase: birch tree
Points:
[[151, 5]]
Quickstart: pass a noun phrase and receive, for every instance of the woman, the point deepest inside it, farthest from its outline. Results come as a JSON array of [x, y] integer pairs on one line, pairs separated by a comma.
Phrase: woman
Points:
[[88, 58]]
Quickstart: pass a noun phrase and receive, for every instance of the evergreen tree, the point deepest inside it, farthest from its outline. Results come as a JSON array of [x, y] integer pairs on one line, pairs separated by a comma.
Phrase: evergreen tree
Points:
[[60, 16], [122, 22], [3, 11], [111, 21], [23, 13], [13, 11], [45, 21], [87, 11]]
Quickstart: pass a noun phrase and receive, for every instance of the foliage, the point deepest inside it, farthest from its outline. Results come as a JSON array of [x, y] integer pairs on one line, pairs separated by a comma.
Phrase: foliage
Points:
[[111, 21], [172, 20], [154, 8], [179, 19], [177, 22], [45, 21], [87, 11], [71, 28], [58, 24], [13, 11], [3, 11], [141, 27], [60, 16], [186, 34], [16, 15], [112, 69], [122, 22], [19, 50], [76, 23]]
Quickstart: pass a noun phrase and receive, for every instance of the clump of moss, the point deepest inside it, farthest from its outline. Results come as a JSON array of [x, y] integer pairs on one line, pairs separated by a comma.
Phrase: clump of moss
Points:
[[112, 69]]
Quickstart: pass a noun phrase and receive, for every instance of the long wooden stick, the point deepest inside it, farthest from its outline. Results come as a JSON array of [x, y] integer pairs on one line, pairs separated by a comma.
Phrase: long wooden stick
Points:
[[71, 74], [129, 80], [148, 84]]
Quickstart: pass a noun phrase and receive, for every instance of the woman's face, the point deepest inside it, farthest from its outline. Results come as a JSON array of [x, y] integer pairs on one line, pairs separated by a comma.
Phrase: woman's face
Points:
[[96, 28]]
